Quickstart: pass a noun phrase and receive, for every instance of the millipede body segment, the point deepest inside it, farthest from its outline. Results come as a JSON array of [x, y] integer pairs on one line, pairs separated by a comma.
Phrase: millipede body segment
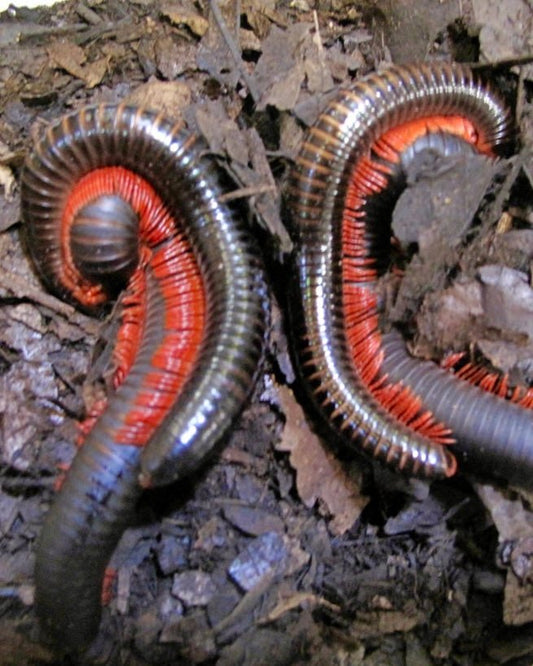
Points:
[[115, 198], [347, 177]]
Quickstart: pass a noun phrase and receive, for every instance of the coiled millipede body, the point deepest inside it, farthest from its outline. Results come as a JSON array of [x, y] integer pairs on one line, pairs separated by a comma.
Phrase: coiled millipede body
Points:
[[399, 409], [115, 196]]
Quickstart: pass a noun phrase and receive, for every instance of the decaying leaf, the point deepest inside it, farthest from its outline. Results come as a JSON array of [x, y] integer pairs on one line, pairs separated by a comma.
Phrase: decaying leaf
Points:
[[184, 13], [515, 531], [173, 58], [319, 475], [417, 560], [289, 58], [294, 600], [260, 14], [70, 57], [382, 621], [506, 30], [170, 97], [248, 164], [213, 54]]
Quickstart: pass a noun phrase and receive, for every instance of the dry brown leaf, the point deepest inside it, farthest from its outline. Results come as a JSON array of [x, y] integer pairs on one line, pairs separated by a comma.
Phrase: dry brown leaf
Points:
[[379, 622], [183, 13], [515, 530], [72, 58], [506, 32], [213, 55], [296, 600], [511, 519], [517, 602], [507, 298], [173, 58], [171, 97], [319, 475], [248, 163], [260, 14], [284, 93], [291, 135], [280, 72], [221, 132]]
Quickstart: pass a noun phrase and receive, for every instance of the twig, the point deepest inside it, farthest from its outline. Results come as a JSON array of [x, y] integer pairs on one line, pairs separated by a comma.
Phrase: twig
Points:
[[22, 289], [104, 30], [250, 191], [233, 49], [20, 483], [517, 164], [11, 35], [88, 14], [504, 62], [238, 24], [318, 38]]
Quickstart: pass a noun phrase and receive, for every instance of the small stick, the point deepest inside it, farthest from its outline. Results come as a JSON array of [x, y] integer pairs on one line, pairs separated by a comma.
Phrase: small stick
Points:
[[250, 191], [235, 53], [21, 288]]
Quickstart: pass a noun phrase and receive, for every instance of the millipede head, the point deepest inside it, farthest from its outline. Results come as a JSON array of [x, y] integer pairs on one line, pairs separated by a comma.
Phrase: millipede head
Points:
[[104, 240]]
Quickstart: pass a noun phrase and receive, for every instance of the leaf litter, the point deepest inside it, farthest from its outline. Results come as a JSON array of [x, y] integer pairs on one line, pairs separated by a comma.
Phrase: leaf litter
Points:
[[296, 554]]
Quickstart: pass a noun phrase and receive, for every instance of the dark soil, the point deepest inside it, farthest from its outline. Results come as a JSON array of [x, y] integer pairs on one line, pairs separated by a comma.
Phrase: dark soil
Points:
[[277, 551]]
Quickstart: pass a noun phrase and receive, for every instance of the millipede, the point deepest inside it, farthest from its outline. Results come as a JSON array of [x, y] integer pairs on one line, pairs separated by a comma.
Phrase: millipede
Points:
[[119, 200], [402, 411]]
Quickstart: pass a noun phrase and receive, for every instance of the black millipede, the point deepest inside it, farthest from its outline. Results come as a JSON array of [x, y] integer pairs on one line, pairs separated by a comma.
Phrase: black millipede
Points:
[[349, 173], [114, 198]]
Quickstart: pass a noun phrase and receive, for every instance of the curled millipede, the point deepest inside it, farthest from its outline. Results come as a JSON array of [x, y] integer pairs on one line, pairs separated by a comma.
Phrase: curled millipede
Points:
[[119, 198], [347, 177]]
